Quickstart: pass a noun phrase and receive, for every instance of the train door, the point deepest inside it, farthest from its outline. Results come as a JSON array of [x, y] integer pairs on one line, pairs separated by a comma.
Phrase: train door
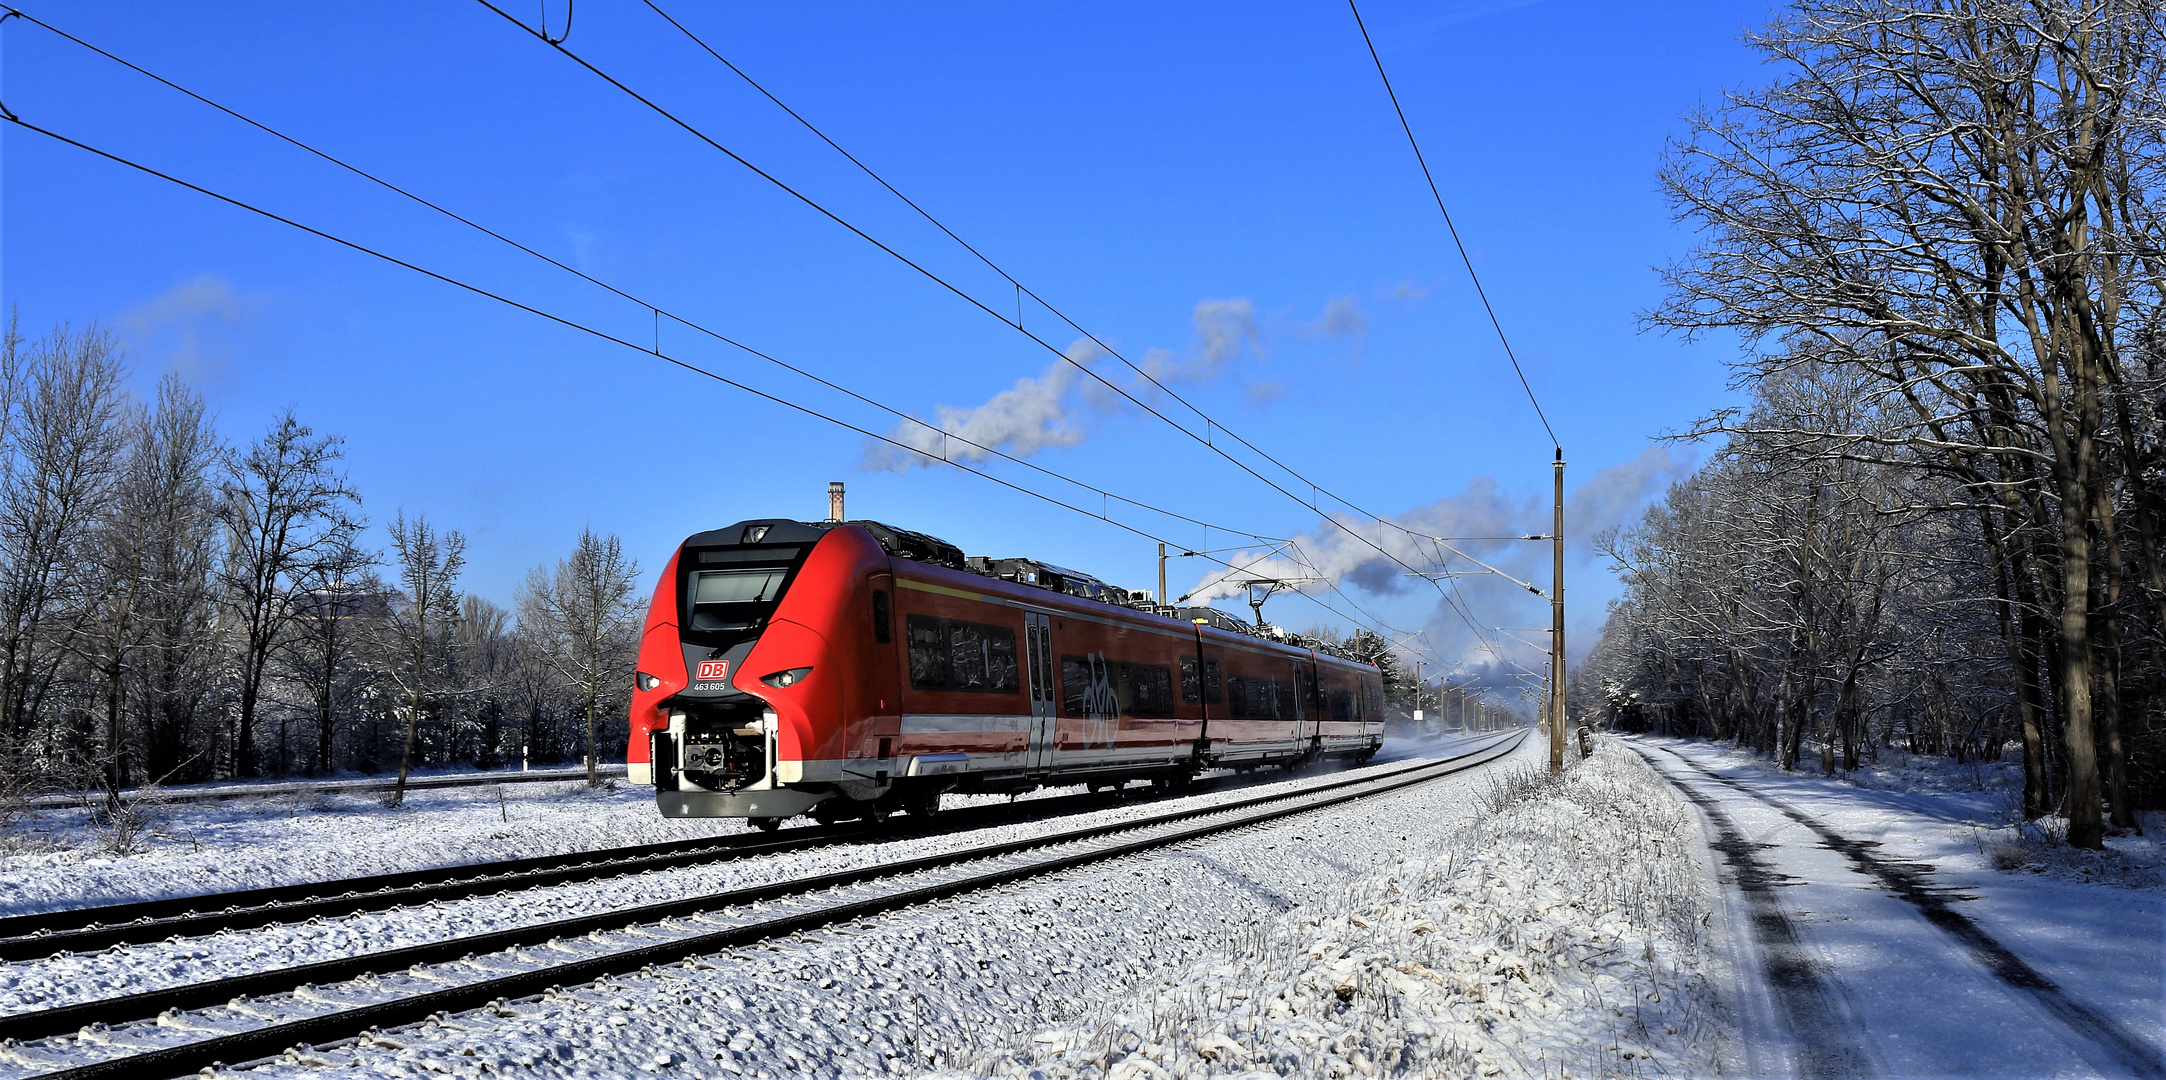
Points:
[[884, 715], [1301, 698], [1038, 642]]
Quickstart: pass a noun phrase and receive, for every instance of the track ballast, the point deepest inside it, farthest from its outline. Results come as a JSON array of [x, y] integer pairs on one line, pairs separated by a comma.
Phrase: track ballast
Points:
[[348, 1022]]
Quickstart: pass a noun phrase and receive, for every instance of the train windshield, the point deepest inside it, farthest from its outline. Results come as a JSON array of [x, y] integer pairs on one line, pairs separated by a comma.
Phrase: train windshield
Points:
[[737, 586], [731, 592]]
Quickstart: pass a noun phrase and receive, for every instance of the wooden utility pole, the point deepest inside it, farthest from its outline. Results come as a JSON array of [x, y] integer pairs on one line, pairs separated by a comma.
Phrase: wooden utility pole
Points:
[[1556, 622]]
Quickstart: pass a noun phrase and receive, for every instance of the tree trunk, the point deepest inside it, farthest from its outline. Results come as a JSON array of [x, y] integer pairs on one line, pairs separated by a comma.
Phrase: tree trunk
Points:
[[244, 752], [2010, 576], [413, 702], [2106, 625], [2086, 829], [593, 692], [325, 748]]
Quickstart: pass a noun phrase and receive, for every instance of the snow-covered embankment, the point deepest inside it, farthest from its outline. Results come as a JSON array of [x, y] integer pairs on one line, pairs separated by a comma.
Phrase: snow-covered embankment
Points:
[[1563, 932]]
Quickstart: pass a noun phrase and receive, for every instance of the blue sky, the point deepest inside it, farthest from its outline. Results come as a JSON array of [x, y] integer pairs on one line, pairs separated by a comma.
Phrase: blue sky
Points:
[[1220, 191]]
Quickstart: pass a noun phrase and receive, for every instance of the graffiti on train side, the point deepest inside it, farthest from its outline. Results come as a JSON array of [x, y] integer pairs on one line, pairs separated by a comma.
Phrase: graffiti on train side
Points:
[[1101, 706], [1088, 694]]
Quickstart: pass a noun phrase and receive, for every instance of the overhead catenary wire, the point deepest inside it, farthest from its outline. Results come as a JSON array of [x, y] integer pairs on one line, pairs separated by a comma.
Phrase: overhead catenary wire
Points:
[[1021, 290], [1494, 322], [659, 312], [981, 305], [573, 324], [1210, 423]]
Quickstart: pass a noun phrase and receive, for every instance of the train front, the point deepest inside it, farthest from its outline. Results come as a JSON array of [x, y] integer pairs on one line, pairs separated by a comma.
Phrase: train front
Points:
[[743, 673]]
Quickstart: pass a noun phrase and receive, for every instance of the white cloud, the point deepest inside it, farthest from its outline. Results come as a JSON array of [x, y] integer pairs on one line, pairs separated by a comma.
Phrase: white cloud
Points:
[[1224, 329], [1035, 414], [1343, 317], [189, 322], [1617, 493], [1062, 405], [1347, 555]]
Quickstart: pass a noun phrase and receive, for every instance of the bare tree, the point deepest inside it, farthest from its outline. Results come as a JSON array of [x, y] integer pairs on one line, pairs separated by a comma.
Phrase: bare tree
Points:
[[172, 496], [488, 653], [338, 596], [585, 615], [153, 563], [64, 438], [284, 506], [1940, 196], [423, 625]]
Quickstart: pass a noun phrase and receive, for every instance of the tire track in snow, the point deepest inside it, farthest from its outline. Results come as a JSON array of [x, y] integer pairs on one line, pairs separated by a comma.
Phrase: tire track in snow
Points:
[[2097, 1030], [1810, 1008]]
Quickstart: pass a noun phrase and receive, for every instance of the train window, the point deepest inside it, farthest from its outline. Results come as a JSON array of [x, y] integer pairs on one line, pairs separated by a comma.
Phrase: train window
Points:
[[723, 600], [1342, 704], [1259, 699], [737, 586], [1145, 689], [1372, 699], [765, 554], [1093, 686], [1086, 687], [950, 654], [882, 631], [1207, 690]]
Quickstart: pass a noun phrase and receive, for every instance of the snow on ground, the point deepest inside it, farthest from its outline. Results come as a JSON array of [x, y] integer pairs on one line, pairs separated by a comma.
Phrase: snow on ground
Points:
[[974, 984], [56, 859], [59, 861], [67, 977], [1560, 933], [2090, 923]]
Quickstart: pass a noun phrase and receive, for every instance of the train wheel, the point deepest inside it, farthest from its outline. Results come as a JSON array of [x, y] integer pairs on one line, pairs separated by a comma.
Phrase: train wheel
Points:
[[766, 824], [924, 806]]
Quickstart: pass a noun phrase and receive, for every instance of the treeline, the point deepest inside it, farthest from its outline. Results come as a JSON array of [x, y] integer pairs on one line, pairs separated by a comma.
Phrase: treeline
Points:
[[1938, 522], [174, 608]]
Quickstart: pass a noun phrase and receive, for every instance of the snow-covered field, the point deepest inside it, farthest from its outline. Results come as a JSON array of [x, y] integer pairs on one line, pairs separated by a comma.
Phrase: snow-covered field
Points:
[[56, 859], [1520, 969], [1491, 923], [71, 977], [1560, 931]]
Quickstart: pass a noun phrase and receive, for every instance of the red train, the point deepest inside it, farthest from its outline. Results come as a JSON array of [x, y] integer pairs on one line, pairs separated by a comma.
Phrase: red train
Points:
[[853, 669]]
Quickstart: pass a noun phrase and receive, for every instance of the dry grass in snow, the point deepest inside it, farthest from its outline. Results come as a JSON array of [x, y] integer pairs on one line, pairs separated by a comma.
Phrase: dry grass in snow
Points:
[[1561, 934]]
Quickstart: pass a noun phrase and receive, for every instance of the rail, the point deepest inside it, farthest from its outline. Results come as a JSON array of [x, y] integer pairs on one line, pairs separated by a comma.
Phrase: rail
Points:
[[346, 1023], [40, 934], [64, 800]]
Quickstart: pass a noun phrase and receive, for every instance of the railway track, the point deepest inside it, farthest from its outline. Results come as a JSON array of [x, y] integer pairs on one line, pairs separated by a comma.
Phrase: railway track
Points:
[[803, 910], [34, 936], [66, 799]]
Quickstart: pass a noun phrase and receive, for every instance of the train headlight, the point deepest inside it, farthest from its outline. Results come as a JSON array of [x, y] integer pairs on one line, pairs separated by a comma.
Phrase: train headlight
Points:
[[786, 678], [645, 681]]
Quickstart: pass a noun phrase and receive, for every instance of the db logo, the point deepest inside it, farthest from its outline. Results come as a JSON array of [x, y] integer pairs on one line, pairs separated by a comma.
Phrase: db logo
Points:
[[713, 669]]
